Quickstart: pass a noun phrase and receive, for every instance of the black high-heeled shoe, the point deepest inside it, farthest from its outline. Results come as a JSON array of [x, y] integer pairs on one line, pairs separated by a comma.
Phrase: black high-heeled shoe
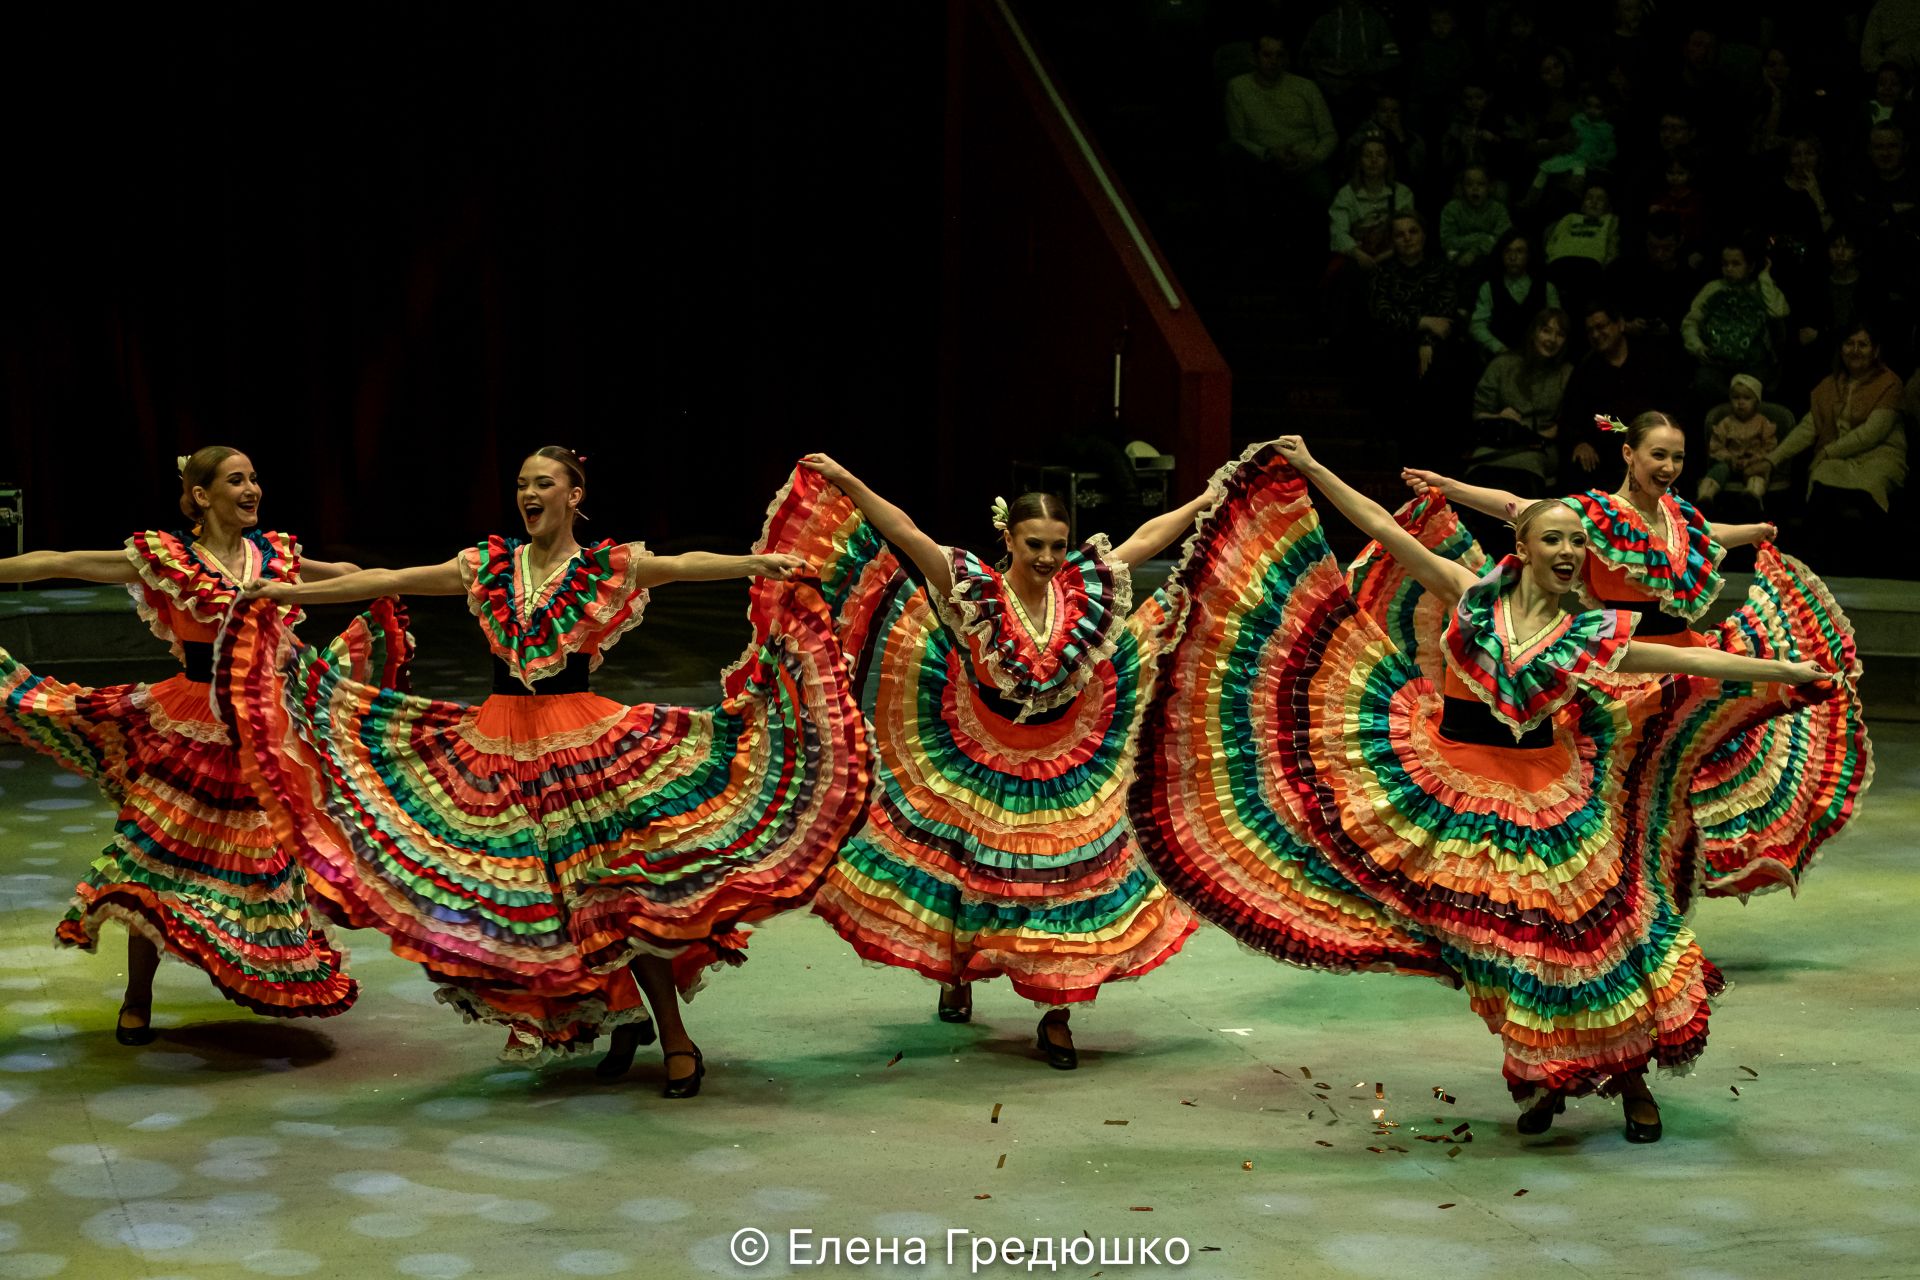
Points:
[[133, 1037], [627, 1037], [1538, 1118], [956, 1002], [1059, 1057], [685, 1086], [1641, 1130]]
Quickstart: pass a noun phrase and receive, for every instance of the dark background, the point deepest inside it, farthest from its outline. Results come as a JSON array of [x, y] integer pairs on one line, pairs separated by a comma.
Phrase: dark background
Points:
[[387, 250]]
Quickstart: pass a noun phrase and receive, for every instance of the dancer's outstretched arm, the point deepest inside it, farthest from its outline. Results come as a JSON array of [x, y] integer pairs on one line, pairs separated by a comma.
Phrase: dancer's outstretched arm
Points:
[[1447, 579], [895, 525], [1498, 502], [1664, 659], [1742, 535], [1153, 537], [87, 566], [325, 570], [365, 584], [707, 566], [1493, 502]]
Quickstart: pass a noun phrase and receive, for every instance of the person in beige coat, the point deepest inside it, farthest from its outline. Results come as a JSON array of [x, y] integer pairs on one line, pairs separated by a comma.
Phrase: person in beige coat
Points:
[[1859, 446]]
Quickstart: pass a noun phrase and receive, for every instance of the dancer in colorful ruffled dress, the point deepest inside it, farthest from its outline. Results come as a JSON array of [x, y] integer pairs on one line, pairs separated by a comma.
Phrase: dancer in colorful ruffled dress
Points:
[[1004, 703], [539, 851], [1768, 800], [1501, 831], [193, 872]]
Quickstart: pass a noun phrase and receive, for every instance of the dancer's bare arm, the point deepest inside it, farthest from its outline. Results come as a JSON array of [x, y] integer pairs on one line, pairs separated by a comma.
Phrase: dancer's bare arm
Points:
[[87, 566], [895, 525], [366, 584], [707, 566], [1663, 659], [1447, 579], [1153, 537], [1493, 502]]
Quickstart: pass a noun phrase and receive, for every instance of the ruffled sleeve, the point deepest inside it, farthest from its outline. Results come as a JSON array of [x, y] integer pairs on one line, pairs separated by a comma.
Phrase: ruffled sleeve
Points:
[[1093, 594], [595, 603], [173, 578], [1685, 580], [1523, 688]]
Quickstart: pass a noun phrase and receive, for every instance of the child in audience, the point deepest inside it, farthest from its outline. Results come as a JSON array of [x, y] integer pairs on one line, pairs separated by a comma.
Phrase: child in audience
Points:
[[1593, 146], [1473, 220], [1740, 443]]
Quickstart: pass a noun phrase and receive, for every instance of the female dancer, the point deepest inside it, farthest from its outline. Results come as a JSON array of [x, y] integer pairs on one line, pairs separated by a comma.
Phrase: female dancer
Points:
[[1004, 702], [1766, 803], [1502, 832], [531, 850], [193, 872]]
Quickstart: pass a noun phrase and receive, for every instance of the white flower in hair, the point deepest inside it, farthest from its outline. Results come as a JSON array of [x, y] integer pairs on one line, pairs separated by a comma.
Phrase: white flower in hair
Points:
[[180, 463], [999, 510]]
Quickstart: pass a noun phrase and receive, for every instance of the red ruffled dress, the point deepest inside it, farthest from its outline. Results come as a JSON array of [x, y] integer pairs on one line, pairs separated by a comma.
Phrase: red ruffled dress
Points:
[[1770, 796], [1782, 780], [525, 850], [996, 842], [1308, 787], [194, 866]]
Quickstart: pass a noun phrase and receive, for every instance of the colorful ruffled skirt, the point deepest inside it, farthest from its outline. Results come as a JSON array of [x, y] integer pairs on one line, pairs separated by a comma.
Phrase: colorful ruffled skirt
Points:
[[194, 866], [526, 850], [996, 846], [1294, 789], [1778, 780]]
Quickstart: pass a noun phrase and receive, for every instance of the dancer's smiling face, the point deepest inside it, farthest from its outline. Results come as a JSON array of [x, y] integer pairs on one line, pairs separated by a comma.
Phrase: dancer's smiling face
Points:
[[232, 496], [546, 495], [1657, 462], [1552, 547], [1037, 547]]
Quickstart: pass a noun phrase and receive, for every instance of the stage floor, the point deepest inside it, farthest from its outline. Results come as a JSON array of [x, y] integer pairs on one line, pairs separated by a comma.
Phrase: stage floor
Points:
[[390, 1142]]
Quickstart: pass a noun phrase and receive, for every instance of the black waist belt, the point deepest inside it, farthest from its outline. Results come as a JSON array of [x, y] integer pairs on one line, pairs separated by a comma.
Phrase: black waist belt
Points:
[[1468, 720], [1653, 622], [199, 660], [572, 678]]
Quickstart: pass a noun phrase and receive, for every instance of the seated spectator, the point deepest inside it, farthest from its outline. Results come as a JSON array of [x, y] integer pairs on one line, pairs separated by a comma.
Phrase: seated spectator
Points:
[[1891, 34], [1511, 297], [1414, 305], [1470, 138], [1350, 50], [1890, 103], [1540, 123], [1656, 286], [1795, 213], [1674, 135], [1517, 48], [1618, 377], [1885, 204], [1829, 305], [1859, 455], [1581, 244], [1439, 68], [1473, 220], [1782, 111], [1626, 46], [1362, 211], [1516, 410], [1740, 442], [1588, 145], [1682, 201], [1714, 102], [1280, 122], [1408, 148], [1737, 324]]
